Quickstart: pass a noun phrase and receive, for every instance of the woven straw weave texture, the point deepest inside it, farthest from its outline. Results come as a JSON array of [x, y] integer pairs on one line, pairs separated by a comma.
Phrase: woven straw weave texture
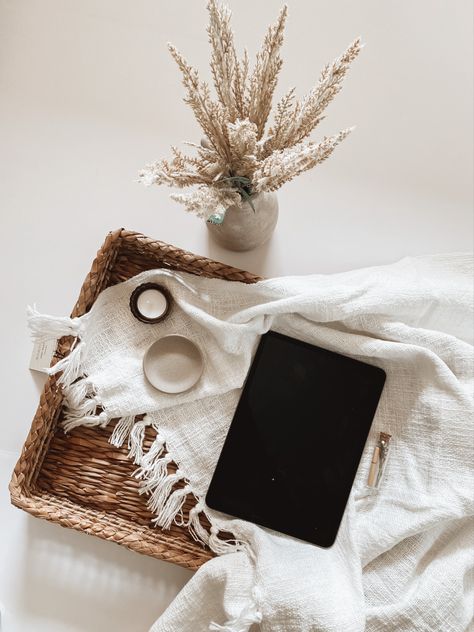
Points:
[[79, 480]]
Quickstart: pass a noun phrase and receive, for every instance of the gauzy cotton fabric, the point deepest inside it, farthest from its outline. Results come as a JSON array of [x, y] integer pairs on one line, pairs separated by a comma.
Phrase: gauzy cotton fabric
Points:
[[403, 556]]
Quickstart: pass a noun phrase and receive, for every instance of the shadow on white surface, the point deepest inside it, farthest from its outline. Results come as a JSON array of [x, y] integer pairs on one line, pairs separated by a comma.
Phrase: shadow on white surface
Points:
[[84, 584], [58, 580]]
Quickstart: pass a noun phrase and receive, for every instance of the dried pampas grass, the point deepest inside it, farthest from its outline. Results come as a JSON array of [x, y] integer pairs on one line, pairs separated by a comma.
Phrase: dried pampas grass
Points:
[[239, 157]]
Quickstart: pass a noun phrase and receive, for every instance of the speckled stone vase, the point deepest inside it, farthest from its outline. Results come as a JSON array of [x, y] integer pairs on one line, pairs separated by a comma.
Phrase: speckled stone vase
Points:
[[246, 229]]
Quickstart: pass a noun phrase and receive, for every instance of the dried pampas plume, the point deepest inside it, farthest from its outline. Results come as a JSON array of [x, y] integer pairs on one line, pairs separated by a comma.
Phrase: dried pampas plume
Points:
[[239, 157]]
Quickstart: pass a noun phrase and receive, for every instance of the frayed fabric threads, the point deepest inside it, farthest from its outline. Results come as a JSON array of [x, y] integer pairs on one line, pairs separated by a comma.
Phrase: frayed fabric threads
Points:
[[165, 498], [70, 367], [45, 327], [83, 407], [162, 490], [136, 438], [153, 455], [172, 509], [122, 431], [198, 532], [221, 547], [85, 404]]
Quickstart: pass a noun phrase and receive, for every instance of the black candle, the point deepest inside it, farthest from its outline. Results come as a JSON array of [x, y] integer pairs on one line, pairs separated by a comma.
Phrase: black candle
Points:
[[150, 302]]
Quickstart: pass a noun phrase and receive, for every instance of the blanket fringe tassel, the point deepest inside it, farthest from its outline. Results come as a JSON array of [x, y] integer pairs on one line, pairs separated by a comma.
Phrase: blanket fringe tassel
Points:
[[167, 491], [44, 327]]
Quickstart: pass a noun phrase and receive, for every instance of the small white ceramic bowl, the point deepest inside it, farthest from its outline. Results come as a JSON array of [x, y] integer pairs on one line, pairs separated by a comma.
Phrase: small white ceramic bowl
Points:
[[173, 364]]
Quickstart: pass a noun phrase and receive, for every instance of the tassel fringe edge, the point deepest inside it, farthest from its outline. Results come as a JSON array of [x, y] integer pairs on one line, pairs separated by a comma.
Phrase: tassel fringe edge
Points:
[[166, 491]]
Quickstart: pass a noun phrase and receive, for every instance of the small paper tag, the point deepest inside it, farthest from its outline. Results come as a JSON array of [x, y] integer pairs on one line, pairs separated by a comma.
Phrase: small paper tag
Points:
[[42, 355]]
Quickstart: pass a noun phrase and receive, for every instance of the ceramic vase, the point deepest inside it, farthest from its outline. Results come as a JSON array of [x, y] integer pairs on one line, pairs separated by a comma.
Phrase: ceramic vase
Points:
[[246, 228]]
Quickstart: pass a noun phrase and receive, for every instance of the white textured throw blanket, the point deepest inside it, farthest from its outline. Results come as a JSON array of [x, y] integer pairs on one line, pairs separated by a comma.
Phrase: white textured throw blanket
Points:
[[403, 557]]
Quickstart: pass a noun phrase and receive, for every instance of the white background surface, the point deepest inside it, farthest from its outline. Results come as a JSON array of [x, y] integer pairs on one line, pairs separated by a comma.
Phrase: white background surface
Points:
[[88, 94]]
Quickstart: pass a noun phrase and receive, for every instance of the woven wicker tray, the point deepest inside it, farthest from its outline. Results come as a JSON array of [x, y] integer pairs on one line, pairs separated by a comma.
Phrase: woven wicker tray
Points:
[[79, 480]]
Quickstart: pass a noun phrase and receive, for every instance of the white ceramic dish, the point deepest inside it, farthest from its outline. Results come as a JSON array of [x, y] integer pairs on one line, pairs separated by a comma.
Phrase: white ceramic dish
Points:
[[173, 364]]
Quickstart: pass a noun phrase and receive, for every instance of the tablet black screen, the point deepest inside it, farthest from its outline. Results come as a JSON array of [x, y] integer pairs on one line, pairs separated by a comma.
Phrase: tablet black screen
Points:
[[296, 439]]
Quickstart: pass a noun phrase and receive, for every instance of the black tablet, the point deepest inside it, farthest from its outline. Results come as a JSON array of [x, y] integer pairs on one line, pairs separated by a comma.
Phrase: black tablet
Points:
[[296, 439]]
